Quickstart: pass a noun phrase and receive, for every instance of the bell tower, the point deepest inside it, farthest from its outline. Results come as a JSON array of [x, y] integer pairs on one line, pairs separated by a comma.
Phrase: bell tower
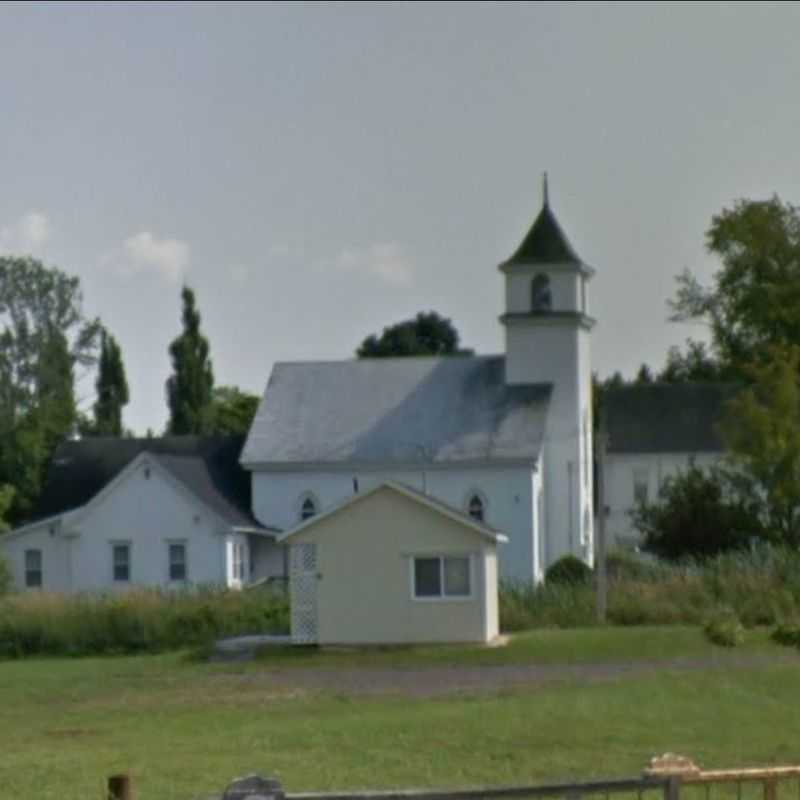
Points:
[[547, 341]]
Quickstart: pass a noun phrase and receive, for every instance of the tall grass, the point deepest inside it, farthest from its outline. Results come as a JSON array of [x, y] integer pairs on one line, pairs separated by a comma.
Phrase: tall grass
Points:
[[144, 620], [760, 588]]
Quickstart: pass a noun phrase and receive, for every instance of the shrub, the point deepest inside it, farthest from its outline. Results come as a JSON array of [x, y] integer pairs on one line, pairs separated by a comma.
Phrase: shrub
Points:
[[787, 634], [568, 570], [724, 628], [695, 517]]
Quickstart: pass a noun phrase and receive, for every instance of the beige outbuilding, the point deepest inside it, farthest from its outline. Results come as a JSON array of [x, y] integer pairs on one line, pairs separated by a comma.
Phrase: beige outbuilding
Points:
[[393, 566]]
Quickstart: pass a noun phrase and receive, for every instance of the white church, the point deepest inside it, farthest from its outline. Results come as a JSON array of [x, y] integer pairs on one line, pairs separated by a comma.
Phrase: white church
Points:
[[500, 445]]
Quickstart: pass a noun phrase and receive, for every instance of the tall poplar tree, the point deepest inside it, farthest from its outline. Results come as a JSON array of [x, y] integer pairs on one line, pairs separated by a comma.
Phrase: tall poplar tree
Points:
[[189, 388], [112, 389]]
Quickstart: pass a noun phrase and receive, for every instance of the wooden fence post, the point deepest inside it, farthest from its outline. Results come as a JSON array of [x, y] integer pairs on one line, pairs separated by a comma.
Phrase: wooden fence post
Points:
[[120, 787], [770, 789]]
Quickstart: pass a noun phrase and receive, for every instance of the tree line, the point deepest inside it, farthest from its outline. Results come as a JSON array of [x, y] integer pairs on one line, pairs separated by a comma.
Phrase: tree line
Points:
[[45, 339]]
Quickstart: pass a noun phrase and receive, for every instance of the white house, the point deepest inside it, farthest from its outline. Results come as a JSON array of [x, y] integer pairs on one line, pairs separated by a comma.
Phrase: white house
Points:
[[505, 438], [393, 566], [117, 513], [657, 430]]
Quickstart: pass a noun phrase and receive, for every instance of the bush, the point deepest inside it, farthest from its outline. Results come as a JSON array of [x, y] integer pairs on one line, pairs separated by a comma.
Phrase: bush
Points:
[[695, 518], [787, 634], [37, 623], [568, 570], [724, 628]]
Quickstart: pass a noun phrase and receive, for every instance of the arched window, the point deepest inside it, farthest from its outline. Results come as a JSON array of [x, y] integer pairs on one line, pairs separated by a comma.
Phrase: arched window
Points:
[[476, 507], [308, 507], [541, 298]]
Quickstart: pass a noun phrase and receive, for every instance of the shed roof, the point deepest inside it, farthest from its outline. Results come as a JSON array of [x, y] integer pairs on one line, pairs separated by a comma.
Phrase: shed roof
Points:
[[396, 411], [666, 417], [207, 466], [440, 507]]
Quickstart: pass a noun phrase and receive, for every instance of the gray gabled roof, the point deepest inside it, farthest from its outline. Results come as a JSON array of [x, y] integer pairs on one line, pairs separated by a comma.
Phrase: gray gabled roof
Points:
[[396, 411], [666, 417]]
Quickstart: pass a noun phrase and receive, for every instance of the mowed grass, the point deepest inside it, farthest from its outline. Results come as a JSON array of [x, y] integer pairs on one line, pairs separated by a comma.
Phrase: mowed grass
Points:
[[184, 729], [546, 646]]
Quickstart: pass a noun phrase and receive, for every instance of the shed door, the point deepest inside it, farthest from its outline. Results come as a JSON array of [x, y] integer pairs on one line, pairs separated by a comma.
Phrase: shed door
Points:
[[303, 592]]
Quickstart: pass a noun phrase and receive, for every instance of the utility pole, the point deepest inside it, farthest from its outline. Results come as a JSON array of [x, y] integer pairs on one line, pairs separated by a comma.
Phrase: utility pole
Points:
[[601, 566]]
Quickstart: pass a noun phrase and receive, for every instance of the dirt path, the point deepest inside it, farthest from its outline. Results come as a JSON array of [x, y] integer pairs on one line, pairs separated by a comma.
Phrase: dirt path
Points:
[[433, 681]]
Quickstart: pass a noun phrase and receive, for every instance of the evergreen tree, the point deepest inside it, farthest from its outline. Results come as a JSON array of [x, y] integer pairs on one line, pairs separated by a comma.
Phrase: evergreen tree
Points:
[[189, 388], [112, 389]]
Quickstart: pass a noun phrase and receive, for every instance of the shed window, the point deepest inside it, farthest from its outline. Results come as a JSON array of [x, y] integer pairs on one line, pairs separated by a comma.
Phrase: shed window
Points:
[[541, 297], [121, 562], [177, 561], [33, 568], [476, 508], [442, 577]]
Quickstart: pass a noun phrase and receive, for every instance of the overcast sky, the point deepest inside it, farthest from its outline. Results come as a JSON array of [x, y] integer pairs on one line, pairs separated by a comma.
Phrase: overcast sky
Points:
[[318, 172]]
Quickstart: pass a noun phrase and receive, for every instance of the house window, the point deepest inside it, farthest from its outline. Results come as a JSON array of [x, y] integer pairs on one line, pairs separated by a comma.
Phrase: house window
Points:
[[641, 485], [33, 568], [177, 561], [308, 507], [442, 577], [475, 507], [541, 297], [121, 562]]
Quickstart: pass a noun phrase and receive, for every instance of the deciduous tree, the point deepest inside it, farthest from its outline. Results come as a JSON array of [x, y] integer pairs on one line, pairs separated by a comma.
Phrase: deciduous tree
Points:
[[44, 336], [232, 411], [428, 334], [761, 431]]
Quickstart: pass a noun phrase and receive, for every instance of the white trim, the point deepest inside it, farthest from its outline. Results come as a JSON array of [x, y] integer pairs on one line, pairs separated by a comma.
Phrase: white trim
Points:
[[432, 503], [442, 598]]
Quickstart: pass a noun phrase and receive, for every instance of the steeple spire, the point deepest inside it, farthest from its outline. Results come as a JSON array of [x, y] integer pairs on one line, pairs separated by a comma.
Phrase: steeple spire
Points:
[[545, 194]]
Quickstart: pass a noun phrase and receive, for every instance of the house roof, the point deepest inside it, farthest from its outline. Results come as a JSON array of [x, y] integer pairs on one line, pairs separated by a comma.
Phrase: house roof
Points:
[[545, 243], [418, 497], [207, 466], [396, 411], [666, 418]]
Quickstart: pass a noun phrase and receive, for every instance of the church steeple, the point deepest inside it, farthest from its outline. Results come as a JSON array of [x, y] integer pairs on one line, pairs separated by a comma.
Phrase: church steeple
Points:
[[545, 242]]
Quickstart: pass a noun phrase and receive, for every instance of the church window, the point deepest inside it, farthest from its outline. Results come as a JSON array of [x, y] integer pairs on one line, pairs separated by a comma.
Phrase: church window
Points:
[[308, 508], [541, 297], [476, 506]]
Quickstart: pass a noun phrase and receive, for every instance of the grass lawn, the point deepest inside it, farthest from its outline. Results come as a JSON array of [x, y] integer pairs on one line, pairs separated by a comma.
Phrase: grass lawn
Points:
[[185, 728], [546, 646]]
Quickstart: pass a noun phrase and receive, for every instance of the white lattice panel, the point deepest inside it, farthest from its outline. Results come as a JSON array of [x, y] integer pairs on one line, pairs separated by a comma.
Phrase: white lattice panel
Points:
[[303, 592], [303, 558]]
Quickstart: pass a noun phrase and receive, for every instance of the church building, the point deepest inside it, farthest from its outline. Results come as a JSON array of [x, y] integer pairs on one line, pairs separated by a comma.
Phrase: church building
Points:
[[505, 439]]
